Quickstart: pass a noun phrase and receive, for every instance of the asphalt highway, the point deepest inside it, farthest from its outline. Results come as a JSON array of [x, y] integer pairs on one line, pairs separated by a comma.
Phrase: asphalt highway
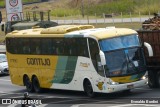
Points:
[[141, 97]]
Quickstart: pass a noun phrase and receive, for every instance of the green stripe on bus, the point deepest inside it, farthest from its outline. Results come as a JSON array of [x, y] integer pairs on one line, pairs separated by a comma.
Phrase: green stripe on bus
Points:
[[70, 69], [60, 69], [65, 69]]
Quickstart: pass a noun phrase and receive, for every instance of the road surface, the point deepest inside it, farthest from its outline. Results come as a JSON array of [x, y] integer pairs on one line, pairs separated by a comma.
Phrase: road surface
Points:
[[62, 98]]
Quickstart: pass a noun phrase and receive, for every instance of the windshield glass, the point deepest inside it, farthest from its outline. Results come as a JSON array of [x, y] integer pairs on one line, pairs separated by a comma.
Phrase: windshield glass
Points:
[[119, 42], [123, 55], [124, 62], [3, 58]]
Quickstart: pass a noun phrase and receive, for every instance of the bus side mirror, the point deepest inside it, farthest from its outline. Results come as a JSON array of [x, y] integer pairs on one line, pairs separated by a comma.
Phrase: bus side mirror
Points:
[[102, 57], [149, 48]]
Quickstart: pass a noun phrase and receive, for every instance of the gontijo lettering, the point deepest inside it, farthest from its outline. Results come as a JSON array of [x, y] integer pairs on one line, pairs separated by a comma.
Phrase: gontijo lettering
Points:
[[38, 61]]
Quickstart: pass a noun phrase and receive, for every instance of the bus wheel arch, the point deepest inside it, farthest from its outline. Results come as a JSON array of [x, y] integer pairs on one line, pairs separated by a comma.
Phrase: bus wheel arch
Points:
[[88, 89], [27, 83], [36, 84]]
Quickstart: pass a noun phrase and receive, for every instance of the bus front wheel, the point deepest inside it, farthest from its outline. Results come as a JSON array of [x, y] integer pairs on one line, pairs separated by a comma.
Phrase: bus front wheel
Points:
[[28, 84], [88, 88], [36, 84]]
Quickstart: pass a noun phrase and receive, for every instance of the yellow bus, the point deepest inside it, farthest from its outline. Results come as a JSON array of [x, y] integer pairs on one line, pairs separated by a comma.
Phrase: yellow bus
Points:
[[77, 57]]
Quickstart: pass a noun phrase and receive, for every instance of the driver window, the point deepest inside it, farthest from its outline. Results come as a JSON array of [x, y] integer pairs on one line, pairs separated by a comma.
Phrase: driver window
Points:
[[94, 52]]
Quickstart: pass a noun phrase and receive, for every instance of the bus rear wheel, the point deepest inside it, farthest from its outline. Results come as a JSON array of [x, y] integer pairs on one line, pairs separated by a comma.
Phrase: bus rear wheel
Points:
[[152, 79], [28, 84], [158, 79], [36, 84], [88, 89]]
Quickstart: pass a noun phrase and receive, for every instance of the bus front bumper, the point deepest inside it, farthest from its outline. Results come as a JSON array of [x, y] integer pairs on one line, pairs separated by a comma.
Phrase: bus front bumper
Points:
[[127, 86]]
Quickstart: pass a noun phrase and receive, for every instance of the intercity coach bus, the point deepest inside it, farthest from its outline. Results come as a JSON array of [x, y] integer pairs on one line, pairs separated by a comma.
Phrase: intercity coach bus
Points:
[[77, 57]]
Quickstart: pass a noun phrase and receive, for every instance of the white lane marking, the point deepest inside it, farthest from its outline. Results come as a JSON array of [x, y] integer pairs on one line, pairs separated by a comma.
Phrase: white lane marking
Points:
[[5, 80], [77, 105], [127, 105], [3, 92]]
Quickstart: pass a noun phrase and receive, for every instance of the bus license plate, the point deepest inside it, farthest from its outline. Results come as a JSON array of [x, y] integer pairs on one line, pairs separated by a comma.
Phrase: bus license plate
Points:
[[130, 86]]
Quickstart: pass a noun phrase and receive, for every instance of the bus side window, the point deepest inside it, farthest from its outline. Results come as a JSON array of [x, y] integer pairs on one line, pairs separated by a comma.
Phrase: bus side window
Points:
[[70, 47], [19, 45], [60, 46], [53, 47], [73, 47], [36, 46], [94, 52], [46, 45], [11, 45], [82, 47], [26, 46]]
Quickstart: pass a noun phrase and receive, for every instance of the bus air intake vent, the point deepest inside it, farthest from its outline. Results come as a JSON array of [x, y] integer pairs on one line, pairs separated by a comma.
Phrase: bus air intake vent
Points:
[[65, 29], [15, 31], [86, 27], [60, 29]]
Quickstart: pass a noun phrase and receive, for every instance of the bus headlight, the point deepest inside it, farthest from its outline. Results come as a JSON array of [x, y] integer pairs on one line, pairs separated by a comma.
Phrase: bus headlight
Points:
[[113, 83], [144, 77]]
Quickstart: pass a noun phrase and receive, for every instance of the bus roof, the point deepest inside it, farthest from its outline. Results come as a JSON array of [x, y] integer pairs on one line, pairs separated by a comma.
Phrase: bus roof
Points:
[[74, 30]]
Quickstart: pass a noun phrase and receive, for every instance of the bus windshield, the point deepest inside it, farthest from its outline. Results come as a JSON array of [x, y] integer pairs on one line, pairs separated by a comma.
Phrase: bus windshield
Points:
[[123, 57], [119, 43]]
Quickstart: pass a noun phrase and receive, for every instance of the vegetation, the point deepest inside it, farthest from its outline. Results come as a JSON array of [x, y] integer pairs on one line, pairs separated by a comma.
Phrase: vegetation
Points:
[[90, 7], [134, 25], [63, 8], [126, 6]]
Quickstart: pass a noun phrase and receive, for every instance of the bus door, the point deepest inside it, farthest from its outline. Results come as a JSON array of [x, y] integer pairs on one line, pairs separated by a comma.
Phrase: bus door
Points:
[[98, 73]]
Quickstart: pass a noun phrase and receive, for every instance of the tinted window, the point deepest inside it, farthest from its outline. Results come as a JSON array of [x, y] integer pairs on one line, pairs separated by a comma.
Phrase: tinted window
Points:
[[48, 46]]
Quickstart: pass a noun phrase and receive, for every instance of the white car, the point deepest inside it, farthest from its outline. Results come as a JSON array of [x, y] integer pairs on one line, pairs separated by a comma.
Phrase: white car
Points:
[[3, 64]]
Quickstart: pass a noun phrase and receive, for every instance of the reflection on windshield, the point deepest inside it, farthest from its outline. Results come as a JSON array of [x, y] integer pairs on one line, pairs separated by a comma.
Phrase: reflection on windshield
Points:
[[119, 43], [122, 62], [114, 60]]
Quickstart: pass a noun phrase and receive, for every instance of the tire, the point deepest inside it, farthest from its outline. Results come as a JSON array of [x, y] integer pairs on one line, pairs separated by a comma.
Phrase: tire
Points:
[[152, 79], [36, 85], [127, 91], [28, 84], [88, 89], [158, 79]]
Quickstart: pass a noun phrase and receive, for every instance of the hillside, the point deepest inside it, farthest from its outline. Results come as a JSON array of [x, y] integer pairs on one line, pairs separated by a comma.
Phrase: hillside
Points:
[[76, 7]]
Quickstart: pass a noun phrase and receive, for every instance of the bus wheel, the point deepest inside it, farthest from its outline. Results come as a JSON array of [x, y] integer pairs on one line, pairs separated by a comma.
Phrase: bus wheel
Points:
[[151, 79], [127, 91], [36, 84], [88, 89], [28, 84], [158, 79]]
